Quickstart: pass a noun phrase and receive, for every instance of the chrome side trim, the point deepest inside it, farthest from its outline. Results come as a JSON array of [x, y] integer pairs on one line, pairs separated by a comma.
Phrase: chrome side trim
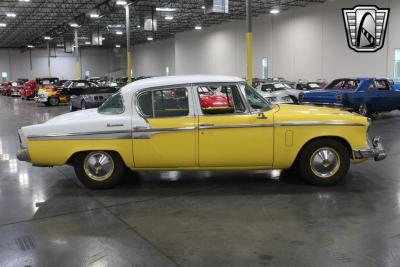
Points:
[[149, 132], [235, 126], [317, 123], [106, 135]]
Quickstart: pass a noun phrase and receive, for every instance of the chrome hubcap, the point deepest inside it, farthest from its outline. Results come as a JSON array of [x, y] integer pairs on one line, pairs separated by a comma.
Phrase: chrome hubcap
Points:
[[99, 166], [362, 109], [325, 162]]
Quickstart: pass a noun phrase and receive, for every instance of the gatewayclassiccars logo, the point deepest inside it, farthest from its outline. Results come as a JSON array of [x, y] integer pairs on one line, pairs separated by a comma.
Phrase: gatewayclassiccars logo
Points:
[[366, 27]]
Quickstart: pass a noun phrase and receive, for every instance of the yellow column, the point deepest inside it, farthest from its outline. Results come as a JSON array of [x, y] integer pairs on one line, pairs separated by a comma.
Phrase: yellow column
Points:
[[129, 66], [78, 70], [250, 58]]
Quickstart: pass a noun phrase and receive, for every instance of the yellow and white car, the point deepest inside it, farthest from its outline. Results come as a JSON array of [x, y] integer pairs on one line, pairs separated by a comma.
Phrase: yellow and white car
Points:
[[159, 124]]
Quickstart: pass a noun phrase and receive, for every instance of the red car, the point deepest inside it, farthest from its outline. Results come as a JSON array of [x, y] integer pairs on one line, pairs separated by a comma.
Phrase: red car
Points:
[[29, 90], [15, 88], [4, 88], [210, 101]]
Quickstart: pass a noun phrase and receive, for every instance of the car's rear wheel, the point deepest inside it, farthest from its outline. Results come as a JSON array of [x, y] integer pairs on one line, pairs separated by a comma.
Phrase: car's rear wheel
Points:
[[99, 169], [324, 162], [54, 101], [365, 110]]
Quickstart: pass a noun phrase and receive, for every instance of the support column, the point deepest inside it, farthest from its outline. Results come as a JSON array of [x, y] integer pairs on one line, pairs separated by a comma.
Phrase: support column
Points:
[[30, 65], [48, 59], [249, 43], [128, 45], [77, 59]]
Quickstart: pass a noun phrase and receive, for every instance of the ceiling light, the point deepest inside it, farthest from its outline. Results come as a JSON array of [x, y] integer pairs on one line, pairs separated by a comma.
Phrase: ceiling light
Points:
[[274, 11], [121, 3], [115, 26], [94, 15], [74, 25], [87, 43], [117, 46], [103, 38], [169, 17], [11, 15], [165, 9], [60, 45], [30, 46], [203, 7], [198, 28], [3, 25], [47, 38], [138, 26], [150, 38], [24, 0], [119, 33]]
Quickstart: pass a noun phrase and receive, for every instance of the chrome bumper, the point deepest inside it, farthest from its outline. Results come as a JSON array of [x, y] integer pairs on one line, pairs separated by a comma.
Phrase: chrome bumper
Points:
[[374, 150], [23, 155], [41, 99]]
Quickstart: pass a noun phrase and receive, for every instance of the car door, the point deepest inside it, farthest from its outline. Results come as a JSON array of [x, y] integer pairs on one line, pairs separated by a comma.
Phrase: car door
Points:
[[382, 97], [167, 138], [234, 136]]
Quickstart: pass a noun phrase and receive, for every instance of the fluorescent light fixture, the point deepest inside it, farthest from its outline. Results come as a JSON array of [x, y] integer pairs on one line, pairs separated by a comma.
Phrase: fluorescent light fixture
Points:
[[87, 43], [74, 25], [203, 7], [117, 46], [150, 38], [3, 25], [165, 9], [274, 11], [103, 38], [25, 1], [94, 15], [169, 17], [30, 46], [47, 38], [198, 28], [60, 45], [121, 3], [119, 33], [138, 26], [115, 26], [11, 15]]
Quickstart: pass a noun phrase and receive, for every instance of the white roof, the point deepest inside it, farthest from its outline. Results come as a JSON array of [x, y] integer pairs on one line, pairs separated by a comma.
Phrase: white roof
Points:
[[172, 80]]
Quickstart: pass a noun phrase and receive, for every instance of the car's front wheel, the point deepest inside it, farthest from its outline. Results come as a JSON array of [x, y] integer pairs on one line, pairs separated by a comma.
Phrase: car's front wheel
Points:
[[54, 101], [99, 169], [365, 110], [324, 162]]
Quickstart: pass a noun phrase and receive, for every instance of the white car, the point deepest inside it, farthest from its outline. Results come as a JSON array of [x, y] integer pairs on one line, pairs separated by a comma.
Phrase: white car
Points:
[[276, 93]]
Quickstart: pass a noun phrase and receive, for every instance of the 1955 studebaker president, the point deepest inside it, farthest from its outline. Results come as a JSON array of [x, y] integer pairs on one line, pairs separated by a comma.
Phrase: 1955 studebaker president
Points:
[[160, 124]]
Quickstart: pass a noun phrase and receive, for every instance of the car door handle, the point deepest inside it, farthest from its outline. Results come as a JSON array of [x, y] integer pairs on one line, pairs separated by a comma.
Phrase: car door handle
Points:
[[115, 125], [206, 125], [138, 128]]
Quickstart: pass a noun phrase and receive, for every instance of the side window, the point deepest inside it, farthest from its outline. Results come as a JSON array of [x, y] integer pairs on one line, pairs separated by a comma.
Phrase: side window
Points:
[[222, 99], [173, 102]]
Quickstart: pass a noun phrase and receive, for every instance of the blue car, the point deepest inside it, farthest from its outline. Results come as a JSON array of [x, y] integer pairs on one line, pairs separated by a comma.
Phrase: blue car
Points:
[[366, 96]]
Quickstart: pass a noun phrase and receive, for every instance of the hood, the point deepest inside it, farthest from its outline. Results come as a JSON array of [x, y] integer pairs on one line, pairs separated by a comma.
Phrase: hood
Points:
[[316, 114]]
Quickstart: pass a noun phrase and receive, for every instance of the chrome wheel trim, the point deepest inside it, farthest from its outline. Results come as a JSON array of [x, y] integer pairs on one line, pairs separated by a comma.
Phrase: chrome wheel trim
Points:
[[53, 101], [325, 162], [99, 166], [362, 110]]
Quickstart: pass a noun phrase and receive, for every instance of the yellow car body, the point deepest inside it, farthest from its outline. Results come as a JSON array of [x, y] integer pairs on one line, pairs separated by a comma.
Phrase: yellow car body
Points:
[[270, 139]]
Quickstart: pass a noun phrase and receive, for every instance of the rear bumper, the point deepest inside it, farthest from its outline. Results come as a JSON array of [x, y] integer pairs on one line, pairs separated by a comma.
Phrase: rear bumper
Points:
[[374, 149], [23, 155]]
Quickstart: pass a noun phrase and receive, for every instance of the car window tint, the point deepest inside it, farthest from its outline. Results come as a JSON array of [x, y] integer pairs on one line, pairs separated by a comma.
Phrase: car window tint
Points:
[[113, 105], [172, 102]]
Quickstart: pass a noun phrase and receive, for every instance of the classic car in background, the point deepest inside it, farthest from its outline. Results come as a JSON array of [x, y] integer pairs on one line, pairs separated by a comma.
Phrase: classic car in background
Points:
[[4, 88], [213, 100], [90, 97], [274, 92], [139, 128], [60, 93], [305, 85], [29, 90], [363, 95], [281, 87], [31, 87], [15, 89]]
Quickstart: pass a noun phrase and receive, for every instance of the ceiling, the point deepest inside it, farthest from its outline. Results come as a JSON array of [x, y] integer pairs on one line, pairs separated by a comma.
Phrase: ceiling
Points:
[[38, 18]]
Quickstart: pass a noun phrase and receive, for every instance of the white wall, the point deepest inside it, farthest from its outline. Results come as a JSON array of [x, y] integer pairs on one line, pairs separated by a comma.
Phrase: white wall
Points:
[[16, 63], [302, 42]]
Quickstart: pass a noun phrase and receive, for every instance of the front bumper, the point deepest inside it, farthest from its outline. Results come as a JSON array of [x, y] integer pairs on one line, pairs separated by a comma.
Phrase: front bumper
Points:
[[374, 149], [39, 99]]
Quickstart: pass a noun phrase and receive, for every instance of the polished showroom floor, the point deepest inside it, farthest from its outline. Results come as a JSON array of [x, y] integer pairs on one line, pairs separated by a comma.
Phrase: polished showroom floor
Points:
[[195, 219]]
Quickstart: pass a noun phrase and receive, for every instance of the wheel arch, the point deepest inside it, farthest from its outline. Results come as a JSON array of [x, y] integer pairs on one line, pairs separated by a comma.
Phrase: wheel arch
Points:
[[70, 160], [331, 137]]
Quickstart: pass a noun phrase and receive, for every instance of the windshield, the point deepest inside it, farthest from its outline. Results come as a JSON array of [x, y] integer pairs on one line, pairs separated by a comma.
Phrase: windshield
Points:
[[113, 105], [255, 100], [344, 84]]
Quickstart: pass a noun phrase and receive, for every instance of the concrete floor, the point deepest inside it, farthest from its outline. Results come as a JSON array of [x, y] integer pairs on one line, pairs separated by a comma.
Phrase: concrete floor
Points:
[[47, 218]]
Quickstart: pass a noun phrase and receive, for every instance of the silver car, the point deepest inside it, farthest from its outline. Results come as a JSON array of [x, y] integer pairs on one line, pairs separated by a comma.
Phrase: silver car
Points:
[[275, 93], [91, 97]]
